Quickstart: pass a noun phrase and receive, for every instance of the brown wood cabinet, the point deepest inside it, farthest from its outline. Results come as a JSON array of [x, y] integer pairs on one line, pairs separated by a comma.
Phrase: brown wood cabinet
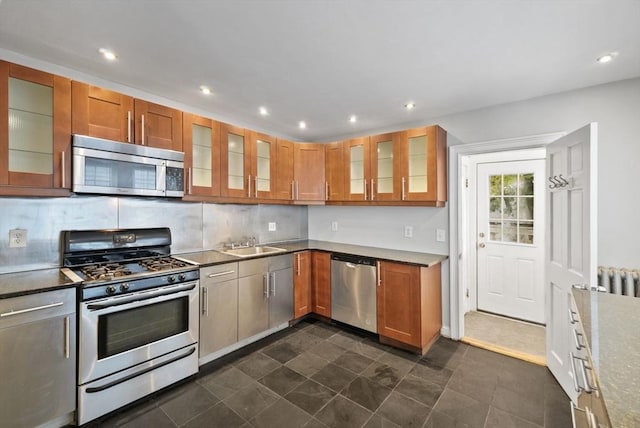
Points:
[[301, 284], [201, 143], [409, 305], [357, 169], [334, 170], [284, 170], [235, 162], [102, 113], [308, 172], [321, 283], [35, 132], [262, 160], [385, 157]]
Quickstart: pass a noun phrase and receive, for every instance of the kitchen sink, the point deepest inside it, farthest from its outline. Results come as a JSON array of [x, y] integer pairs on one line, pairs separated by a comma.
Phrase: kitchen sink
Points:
[[252, 251]]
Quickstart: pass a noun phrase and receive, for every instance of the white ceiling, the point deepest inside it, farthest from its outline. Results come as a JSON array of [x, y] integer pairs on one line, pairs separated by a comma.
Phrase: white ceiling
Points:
[[323, 60]]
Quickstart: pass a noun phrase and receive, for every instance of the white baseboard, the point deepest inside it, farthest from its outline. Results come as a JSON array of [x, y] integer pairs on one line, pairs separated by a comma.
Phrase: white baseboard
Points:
[[445, 331]]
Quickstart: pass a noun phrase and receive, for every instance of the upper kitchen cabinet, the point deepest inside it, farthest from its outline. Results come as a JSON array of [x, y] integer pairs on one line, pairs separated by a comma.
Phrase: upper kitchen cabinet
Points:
[[284, 183], [201, 143], [357, 169], [262, 174], [423, 165], [35, 132], [235, 162], [308, 164], [102, 113], [385, 155], [334, 170]]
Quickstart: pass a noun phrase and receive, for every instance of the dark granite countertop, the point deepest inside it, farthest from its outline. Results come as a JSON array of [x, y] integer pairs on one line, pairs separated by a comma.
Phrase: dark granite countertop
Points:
[[33, 281], [611, 324], [213, 257]]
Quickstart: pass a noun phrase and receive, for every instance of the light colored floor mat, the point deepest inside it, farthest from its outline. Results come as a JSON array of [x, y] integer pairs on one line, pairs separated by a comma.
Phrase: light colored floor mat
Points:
[[506, 336]]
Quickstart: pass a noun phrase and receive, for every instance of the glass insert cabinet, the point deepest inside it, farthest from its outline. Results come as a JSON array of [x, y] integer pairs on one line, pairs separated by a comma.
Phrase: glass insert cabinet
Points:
[[35, 134]]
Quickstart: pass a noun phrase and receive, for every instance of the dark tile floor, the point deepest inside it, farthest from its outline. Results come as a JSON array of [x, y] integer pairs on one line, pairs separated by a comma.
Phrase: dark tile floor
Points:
[[316, 375]]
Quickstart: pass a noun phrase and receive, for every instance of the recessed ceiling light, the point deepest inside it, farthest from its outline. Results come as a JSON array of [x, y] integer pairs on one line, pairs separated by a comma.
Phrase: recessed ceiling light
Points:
[[110, 55], [302, 125], [263, 111], [353, 118], [410, 106], [606, 57], [205, 90]]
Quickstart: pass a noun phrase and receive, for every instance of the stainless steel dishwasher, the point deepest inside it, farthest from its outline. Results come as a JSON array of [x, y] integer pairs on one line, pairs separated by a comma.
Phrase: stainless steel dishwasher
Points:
[[353, 291]]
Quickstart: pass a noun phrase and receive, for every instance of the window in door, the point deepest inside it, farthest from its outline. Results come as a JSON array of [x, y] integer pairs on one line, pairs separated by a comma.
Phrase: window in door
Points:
[[511, 208]]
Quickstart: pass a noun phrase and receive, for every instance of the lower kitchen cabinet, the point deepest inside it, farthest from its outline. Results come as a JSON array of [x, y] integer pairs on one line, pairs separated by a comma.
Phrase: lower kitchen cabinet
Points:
[[301, 284], [280, 286], [38, 359], [321, 283], [218, 307], [409, 305]]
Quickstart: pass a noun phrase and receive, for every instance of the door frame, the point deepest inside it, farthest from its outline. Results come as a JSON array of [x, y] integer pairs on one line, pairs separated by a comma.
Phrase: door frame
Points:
[[458, 199]]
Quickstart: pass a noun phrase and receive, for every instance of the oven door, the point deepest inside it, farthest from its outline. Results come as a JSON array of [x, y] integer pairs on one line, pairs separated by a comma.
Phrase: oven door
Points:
[[120, 332]]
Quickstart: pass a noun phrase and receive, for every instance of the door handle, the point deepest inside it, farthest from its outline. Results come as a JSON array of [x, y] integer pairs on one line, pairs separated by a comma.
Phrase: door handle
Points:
[[482, 245]]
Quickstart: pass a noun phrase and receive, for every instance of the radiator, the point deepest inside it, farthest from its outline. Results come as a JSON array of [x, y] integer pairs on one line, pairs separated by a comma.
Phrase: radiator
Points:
[[622, 281]]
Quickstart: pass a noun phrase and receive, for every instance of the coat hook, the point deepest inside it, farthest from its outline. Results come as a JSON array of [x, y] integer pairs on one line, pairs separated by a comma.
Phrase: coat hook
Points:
[[553, 184], [564, 180]]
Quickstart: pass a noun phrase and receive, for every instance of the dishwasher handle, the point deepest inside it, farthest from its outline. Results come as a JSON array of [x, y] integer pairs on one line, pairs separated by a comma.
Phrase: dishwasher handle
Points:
[[354, 260]]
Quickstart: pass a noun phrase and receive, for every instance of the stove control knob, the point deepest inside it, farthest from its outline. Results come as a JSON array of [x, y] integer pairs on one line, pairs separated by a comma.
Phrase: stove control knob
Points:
[[182, 277], [124, 287], [111, 289], [171, 278]]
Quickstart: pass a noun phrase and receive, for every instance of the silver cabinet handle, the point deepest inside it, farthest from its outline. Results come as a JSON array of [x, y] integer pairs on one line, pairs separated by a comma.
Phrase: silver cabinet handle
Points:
[[227, 272], [578, 341], [67, 345], [249, 187], [63, 168], [265, 286], [255, 191], [298, 268], [403, 193], [326, 190], [37, 308], [378, 273], [272, 283], [205, 302], [365, 188], [293, 190], [142, 115], [129, 126], [572, 320], [373, 193]]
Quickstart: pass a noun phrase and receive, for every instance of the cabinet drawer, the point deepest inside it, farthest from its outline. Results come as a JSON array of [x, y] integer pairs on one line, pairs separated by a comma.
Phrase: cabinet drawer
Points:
[[219, 273], [253, 267], [35, 307], [283, 261]]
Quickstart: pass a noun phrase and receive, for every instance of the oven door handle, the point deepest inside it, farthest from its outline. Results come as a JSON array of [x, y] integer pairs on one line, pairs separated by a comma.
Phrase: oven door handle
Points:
[[136, 297], [140, 373]]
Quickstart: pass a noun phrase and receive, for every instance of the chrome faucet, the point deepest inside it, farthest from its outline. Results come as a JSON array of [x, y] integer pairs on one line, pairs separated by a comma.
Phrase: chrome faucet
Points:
[[250, 242]]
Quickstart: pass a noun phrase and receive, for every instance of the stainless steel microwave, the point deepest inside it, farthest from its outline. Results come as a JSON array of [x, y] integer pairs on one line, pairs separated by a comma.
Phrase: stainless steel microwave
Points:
[[113, 168]]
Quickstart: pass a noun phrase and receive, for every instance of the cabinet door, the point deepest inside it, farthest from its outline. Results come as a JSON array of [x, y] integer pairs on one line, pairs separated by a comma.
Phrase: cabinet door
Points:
[[101, 113], [38, 375], [235, 162], [423, 167], [385, 164], [301, 283], [218, 316], [334, 170], [321, 283], [158, 126], [398, 295], [357, 169], [284, 170], [280, 297], [308, 165], [35, 132], [263, 165], [253, 305], [201, 140]]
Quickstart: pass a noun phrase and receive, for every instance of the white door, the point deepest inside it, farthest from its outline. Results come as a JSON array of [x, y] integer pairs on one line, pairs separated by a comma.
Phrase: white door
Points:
[[510, 210], [571, 238]]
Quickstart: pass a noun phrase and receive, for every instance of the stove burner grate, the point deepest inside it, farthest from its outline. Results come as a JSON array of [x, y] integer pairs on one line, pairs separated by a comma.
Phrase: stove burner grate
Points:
[[162, 263], [106, 271]]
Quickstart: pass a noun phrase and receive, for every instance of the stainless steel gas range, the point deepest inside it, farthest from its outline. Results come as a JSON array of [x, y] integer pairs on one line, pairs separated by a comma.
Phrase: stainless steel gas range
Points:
[[138, 315]]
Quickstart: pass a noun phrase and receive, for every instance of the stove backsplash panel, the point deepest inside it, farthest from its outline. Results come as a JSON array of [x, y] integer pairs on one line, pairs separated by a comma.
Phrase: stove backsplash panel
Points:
[[194, 226]]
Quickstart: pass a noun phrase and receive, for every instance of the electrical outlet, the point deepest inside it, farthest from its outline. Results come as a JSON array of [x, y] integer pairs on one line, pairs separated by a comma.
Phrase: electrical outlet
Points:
[[272, 226], [440, 235], [334, 226], [408, 231], [17, 238]]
